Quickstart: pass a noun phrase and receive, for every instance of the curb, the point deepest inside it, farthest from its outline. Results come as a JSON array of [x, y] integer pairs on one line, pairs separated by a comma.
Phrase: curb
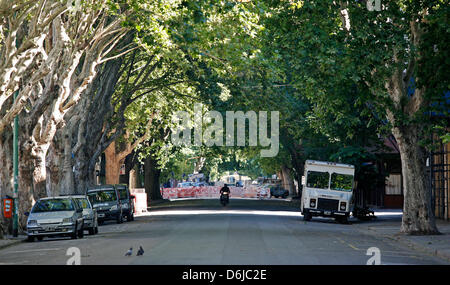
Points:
[[13, 242], [417, 246], [411, 244]]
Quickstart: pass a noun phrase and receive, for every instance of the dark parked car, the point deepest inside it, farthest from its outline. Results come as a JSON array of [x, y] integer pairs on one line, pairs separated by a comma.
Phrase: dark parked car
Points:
[[127, 201], [278, 192], [105, 200]]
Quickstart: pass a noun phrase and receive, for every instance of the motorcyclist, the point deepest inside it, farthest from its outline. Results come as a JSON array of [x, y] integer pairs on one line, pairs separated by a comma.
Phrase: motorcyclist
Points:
[[225, 189]]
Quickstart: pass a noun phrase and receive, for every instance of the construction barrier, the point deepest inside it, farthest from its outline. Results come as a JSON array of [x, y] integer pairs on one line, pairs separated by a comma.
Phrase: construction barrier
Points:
[[140, 200], [210, 192]]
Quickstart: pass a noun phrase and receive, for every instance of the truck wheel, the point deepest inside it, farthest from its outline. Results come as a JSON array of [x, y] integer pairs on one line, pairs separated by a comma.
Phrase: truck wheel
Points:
[[30, 239], [307, 216], [342, 220]]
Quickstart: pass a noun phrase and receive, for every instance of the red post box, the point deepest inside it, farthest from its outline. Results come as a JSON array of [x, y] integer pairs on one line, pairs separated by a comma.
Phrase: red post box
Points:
[[7, 208]]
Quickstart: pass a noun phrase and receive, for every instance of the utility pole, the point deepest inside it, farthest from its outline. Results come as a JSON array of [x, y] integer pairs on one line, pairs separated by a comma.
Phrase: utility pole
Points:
[[16, 172]]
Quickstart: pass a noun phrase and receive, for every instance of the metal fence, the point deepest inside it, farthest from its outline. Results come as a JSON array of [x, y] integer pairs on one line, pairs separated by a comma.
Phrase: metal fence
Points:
[[440, 180]]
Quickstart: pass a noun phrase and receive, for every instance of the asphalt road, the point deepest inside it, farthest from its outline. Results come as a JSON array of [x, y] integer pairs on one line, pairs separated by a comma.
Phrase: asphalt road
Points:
[[250, 232]]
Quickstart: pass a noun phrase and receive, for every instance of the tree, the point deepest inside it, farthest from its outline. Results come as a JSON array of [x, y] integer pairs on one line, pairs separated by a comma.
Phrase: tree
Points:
[[342, 43]]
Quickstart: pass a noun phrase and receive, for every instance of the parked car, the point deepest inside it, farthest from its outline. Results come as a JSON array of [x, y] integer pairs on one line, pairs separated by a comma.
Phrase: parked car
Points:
[[55, 216], [277, 191], [89, 214], [127, 201], [105, 200]]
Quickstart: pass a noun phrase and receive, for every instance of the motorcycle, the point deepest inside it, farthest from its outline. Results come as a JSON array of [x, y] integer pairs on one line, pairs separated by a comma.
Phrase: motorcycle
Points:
[[224, 199]]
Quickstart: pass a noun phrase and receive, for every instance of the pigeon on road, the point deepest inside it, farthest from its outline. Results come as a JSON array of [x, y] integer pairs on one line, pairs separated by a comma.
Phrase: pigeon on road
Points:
[[140, 251], [129, 252]]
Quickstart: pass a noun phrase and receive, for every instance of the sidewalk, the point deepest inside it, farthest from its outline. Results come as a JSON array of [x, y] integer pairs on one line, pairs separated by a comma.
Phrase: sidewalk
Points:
[[387, 226], [10, 240]]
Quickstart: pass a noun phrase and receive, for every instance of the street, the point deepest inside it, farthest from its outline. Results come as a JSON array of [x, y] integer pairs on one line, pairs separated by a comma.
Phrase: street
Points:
[[200, 232]]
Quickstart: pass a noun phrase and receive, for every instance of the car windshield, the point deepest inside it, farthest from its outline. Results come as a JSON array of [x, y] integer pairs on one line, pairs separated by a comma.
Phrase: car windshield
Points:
[[341, 182], [52, 205], [83, 202], [317, 179], [102, 196]]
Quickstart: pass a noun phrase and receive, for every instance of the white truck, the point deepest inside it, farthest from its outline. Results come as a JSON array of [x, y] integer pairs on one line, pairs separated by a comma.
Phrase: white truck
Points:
[[327, 190]]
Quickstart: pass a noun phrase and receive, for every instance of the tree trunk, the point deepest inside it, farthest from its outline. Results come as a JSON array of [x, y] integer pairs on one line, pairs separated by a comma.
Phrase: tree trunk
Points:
[[287, 180], [6, 173], [418, 218], [134, 179], [112, 165], [151, 184]]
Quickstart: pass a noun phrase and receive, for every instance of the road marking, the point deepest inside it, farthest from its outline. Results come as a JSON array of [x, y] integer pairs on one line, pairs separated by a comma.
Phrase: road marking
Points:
[[34, 250], [12, 263], [348, 244]]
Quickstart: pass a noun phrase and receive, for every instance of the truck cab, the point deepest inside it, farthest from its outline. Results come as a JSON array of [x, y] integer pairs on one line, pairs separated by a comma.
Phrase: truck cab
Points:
[[327, 190]]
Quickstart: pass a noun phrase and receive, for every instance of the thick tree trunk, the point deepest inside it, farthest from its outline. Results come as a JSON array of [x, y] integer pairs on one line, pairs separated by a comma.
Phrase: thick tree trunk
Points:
[[151, 184], [112, 165], [6, 174], [134, 178], [418, 218]]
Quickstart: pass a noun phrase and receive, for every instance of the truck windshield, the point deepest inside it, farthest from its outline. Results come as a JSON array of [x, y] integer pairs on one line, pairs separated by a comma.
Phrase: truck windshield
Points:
[[52, 205], [102, 196], [317, 179], [341, 182]]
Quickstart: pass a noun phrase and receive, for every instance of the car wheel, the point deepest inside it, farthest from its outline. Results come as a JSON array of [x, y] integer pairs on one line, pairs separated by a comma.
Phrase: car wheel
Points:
[[130, 217], [40, 238], [119, 219], [101, 222], [30, 239], [74, 235], [81, 231], [91, 231]]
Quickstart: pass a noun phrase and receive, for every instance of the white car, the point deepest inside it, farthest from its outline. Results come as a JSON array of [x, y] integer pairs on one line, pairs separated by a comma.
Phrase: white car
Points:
[[55, 216], [89, 214]]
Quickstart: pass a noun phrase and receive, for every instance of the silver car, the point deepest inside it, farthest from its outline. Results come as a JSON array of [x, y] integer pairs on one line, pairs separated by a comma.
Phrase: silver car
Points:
[[55, 216], [89, 214]]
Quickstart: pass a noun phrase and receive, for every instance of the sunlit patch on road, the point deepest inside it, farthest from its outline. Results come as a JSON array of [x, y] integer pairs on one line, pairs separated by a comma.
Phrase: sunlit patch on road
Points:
[[222, 212]]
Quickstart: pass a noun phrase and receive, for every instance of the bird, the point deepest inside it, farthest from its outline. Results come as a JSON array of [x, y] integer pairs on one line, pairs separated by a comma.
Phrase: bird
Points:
[[140, 251], [129, 252]]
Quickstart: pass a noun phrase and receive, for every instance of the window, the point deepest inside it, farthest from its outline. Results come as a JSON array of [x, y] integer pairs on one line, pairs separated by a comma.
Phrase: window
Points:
[[83, 203], [102, 196], [341, 182], [52, 205], [317, 179], [394, 184], [123, 193]]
